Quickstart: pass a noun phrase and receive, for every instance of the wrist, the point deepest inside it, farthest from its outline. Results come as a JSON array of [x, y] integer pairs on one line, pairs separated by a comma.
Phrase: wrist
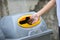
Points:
[[37, 15]]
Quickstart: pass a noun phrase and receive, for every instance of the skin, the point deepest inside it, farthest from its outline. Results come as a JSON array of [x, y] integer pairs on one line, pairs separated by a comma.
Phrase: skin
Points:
[[46, 8]]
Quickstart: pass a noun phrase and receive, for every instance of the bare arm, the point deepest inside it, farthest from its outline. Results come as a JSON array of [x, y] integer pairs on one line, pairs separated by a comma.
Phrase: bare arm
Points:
[[34, 18], [47, 7]]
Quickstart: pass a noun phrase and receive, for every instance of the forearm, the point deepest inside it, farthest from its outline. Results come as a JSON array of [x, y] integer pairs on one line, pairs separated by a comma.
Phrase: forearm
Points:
[[46, 8]]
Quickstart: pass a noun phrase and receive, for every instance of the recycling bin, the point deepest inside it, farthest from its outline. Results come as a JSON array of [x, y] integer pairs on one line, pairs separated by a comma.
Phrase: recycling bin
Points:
[[14, 29]]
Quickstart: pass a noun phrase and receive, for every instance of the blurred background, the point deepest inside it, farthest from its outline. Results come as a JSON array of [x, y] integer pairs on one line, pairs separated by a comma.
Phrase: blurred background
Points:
[[11, 7]]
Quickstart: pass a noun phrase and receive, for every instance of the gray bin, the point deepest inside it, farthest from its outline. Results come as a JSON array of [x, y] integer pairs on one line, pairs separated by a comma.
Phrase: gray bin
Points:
[[13, 31]]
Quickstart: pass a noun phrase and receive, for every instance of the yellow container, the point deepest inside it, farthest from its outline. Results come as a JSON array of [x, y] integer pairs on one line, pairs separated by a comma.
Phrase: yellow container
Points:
[[26, 25]]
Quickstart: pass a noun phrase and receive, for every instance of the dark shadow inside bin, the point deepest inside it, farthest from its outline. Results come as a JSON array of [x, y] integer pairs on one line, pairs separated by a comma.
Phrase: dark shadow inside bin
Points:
[[26, 21]]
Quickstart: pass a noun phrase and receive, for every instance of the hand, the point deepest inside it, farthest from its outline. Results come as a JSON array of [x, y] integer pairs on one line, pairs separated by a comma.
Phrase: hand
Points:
[[34, 18]]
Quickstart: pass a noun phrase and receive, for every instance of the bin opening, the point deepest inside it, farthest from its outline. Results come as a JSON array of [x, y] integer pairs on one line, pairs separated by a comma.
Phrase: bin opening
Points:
[[23, 21]]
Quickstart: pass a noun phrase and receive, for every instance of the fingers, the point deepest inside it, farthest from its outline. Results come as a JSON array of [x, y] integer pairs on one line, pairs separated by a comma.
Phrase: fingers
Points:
[[30, 21], [35, 20]]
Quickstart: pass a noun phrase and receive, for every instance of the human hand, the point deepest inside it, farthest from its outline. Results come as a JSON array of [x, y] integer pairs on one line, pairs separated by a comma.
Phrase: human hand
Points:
[[34, 18]]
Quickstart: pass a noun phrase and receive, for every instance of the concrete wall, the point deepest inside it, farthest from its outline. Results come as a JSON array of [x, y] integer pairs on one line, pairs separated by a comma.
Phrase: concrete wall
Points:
[[0, 8], [3, 8], [17, 6]]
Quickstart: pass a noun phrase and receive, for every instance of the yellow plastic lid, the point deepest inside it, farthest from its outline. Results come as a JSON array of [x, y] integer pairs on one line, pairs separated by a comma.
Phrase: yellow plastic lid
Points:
[[26, 25]]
